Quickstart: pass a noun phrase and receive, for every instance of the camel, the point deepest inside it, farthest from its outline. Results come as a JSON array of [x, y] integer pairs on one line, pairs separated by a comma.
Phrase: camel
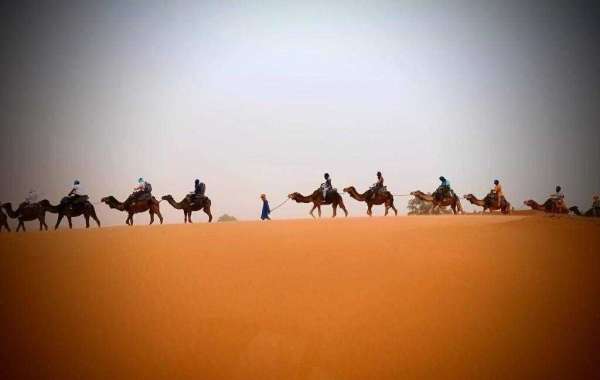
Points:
[[71, 210], [316, 198], [453, 202], [3, 220], [382, 197], [185, 205], [549, 206], [594, 212], [27, 213], [151, 205], [489, 204]]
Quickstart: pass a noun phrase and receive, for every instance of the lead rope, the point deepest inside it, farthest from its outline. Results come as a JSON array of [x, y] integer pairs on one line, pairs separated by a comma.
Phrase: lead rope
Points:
[[279, 205]]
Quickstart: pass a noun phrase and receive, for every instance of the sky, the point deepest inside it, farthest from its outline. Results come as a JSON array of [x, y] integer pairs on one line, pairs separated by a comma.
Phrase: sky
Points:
[[264, 97]]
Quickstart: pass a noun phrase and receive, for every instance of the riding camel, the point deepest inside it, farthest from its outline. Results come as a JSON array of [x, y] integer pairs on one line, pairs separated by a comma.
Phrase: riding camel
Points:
[[151, 205], [488, 203], [381, 198], [72, 210], [594, 212], [3, 220], [451, 201], [188, 207], [316, 198], [550, 206], [27, 213]]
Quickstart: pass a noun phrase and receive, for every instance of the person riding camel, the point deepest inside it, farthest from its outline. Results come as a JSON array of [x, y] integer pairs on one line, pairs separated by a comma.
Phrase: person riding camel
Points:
[[75, 194], [199, 191], [377, 186], [444, 189], [141, 189], [558, 198], [497, 192], [326, 186], [31, 197]]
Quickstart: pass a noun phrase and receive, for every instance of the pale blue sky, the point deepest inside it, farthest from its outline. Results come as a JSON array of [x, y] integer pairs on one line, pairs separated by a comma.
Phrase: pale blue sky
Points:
[[266, 97]]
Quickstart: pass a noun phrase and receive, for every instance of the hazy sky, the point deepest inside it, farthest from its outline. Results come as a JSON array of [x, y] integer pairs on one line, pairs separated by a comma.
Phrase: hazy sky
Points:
[[267, 96]]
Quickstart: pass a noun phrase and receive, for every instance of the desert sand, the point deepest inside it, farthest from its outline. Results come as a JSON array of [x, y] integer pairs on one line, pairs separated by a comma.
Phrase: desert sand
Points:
[[357, 298]]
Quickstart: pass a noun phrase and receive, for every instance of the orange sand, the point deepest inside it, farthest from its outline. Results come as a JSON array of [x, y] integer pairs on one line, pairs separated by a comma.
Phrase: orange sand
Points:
[[407, 297]]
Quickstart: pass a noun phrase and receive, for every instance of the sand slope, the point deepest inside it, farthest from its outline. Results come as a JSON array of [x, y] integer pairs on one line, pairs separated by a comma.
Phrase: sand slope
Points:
[[407, 297]]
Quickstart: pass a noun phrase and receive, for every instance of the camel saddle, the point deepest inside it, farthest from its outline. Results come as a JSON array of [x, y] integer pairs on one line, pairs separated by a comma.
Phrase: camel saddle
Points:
[[74, 199], [193, 197]]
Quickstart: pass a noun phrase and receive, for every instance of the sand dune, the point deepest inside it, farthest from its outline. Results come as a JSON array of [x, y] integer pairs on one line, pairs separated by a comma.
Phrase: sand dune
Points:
[[407, 297]]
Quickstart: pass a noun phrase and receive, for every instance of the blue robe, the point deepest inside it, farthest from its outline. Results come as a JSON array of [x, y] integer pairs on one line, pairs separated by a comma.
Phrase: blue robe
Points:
[[266, 210]]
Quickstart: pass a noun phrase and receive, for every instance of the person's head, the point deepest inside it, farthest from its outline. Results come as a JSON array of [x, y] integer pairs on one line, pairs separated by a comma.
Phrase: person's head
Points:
[[326, 175], [496, 182], [558, 189], [378, 174], [263, 197], [197, 181], [140, 180], [76, 182], [442, 178]]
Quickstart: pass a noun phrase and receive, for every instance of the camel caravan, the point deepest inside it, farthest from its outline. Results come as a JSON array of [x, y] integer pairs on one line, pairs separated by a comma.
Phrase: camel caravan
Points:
[[76, 204]]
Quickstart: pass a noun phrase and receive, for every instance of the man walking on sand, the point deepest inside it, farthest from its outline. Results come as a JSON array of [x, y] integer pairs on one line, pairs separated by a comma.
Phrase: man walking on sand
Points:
[[266, 210]]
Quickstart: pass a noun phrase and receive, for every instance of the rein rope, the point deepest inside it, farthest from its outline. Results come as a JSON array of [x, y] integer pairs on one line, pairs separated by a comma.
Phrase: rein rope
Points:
[[279, 205]]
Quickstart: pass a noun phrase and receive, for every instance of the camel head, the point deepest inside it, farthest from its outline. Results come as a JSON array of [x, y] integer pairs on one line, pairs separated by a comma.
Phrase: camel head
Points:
[[470, 197], [531, 203], [294, 195], [417, 192], [349, 189], [44, 203], [110, 201], [166, 197]]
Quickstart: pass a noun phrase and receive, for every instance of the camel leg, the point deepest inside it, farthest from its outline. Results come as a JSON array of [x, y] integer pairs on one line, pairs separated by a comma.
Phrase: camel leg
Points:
[[334, 207], [185, 217], [43, 223], [312, 210], [343, 207], [319, 210], [95, 217], [369, 209], [60, 217], [20, 225], [159, 216], [207, 211], [87, 220], [393, 208], [151, 217], [70, 222]]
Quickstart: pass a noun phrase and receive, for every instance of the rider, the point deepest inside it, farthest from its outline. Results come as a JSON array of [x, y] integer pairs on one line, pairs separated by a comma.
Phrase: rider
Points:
[[377, 186], [199, 190], [140, 189], [497, 190], [558, 197], [31, 197], [443, 189], [76, 193], [326, 186]]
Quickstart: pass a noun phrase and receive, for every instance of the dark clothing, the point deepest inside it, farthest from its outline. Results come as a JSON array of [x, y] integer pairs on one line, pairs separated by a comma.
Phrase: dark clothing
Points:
[[266, 210], [200, 189]]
